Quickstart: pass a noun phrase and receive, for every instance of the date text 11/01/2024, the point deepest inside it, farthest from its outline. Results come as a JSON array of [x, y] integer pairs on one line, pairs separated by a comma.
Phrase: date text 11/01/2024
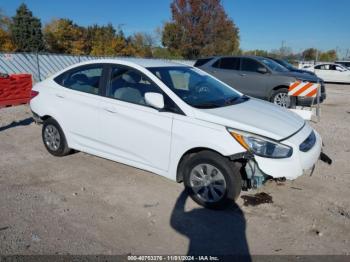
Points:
[[173, 258]]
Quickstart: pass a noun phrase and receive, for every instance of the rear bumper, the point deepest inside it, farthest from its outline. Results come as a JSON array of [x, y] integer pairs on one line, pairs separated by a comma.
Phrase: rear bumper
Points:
[[37, 118], [296, 165]]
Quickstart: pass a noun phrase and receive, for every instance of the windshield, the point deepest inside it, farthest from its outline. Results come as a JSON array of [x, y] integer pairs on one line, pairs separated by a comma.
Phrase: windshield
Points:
[[274, 66], [343, 68], [286, 64], [197, 88]]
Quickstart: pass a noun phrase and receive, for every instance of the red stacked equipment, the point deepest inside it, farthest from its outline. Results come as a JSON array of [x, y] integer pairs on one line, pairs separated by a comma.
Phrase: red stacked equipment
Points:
[[15, 89]]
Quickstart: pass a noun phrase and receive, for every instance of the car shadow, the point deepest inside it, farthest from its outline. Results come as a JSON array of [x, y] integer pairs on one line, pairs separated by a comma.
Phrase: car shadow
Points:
[[211, 232], [24, 122]]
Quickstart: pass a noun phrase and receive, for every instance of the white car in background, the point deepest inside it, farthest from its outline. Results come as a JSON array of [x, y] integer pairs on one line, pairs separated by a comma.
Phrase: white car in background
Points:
[[176, 121], [345, 63], [331, 72]]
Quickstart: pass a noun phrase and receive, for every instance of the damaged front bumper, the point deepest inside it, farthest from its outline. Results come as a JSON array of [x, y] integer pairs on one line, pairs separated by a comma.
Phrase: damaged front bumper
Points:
[[259, 169]]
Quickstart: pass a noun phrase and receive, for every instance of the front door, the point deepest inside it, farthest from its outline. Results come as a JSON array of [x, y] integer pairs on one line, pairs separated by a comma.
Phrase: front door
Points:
[[251, 81], [130, 129]]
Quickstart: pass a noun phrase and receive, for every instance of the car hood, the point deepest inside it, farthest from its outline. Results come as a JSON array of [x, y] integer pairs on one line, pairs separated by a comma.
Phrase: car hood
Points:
[[301, 76], [301, 71], [255, 116]]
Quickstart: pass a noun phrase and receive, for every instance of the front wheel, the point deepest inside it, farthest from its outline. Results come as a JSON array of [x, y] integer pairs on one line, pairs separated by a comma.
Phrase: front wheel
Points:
[[280, 97], [212, 180]]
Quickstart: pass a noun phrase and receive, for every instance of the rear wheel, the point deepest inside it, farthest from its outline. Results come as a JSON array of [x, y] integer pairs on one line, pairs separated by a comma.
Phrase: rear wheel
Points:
[[212, 180], [54, 138], [280, 97]]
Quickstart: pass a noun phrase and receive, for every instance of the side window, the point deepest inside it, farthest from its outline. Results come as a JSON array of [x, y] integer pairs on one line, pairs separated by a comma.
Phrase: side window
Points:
[[129, 85], [250, 65], [85, 79], [318, 67], [231, 63], [339, 68]]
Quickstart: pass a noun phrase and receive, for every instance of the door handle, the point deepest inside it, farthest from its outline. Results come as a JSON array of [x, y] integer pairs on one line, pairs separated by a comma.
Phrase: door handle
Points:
[[242, 74], [60, 95], [110, 110]]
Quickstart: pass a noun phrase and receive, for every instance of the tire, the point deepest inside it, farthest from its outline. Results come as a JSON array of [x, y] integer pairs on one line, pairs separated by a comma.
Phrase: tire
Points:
[[220, 183], [278, 97], [54, 138]]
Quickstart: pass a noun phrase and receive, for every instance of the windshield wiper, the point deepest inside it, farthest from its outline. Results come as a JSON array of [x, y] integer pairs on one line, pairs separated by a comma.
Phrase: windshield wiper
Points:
[[236, 99], [207, 105], [231, 100]]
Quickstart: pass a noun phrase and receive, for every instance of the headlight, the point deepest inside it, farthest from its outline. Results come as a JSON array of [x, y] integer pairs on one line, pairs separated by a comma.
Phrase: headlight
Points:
[[261, 146]]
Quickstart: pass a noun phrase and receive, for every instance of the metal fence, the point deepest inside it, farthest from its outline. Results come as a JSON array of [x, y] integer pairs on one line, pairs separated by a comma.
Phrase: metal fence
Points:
[[41, 66]]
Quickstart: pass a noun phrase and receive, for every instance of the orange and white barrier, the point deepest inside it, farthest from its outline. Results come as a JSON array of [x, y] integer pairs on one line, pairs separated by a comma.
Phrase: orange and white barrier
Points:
[[303, 89]]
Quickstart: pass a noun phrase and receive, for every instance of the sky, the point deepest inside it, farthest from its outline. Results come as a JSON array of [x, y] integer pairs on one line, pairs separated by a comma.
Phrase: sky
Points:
[[299, 24]]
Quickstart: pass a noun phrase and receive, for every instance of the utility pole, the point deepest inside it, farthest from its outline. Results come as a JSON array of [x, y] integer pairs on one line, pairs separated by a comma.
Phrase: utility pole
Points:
[[282, 48], [337, 49]]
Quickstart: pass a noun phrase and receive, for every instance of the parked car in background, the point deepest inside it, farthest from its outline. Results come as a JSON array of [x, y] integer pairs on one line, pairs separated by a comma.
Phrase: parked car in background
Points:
[[331, 72], [258, 77], [176, 121], [344, 63], [290, 67]]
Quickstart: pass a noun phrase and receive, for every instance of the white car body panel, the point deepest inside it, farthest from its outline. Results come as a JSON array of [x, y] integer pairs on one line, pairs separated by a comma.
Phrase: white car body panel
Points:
[[337, 76], [155, 141], [243, 117]]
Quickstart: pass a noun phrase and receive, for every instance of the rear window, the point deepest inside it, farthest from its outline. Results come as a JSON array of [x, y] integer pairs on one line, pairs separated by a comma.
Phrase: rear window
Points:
[[202, 61], [231, 63]]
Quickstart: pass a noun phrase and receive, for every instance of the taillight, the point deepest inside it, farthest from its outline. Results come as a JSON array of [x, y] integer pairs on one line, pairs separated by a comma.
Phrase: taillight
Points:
[[33, 94]]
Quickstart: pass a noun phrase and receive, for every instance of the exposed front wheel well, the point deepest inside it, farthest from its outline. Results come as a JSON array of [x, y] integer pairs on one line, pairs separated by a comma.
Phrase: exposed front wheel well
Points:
[[187, 155], [45, 117]]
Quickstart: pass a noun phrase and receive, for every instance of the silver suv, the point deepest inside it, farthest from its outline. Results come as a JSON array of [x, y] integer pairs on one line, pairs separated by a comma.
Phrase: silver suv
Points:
[[258, 77]]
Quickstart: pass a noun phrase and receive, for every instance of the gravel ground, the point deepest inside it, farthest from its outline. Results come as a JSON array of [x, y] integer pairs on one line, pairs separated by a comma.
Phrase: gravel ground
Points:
[[81, 204]]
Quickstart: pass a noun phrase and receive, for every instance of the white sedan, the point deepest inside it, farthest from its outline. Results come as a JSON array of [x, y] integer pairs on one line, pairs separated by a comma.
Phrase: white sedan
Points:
[[331, 72], [176, 121]]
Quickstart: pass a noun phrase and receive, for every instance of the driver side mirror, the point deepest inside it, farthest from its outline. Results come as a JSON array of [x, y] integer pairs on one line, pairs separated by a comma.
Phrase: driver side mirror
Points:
[[154, 100], [262, 70]]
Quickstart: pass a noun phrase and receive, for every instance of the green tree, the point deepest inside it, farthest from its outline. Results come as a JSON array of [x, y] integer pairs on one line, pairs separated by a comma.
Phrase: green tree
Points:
[[162, 52], [63, 36], [5, 36], [257, 52], [310, 54], [328, 56], [200, 28], [104, 40], [26, 31], [142, 44]]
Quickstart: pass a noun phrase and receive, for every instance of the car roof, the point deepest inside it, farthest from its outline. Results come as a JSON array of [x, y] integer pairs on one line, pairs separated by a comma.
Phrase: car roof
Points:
[[144, 62]]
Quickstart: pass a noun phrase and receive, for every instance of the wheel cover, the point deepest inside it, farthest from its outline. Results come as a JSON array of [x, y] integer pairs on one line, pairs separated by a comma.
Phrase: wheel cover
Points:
[[52, 137], [207, 182], [281, 99]]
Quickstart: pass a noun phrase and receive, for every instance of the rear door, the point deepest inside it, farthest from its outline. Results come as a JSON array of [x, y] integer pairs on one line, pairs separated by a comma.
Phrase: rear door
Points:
[[132, 131], [227, 70], [324, 72], [251, 81], [77, 98]]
